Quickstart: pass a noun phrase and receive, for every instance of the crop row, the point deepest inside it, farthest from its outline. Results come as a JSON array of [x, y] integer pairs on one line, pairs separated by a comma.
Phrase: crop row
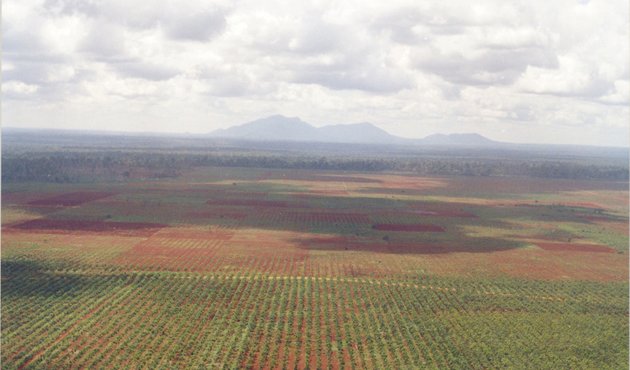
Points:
[[253, 320]]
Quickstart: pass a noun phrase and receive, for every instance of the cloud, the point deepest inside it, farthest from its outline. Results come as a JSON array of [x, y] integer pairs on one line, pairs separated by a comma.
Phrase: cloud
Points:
[[147, 71], [414, 67], [488, 67], [370, 78], [18, 89], [197, 26]]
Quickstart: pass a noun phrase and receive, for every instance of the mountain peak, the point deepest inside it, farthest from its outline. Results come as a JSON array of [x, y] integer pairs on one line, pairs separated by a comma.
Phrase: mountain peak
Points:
[[281, 128], [272, 128]]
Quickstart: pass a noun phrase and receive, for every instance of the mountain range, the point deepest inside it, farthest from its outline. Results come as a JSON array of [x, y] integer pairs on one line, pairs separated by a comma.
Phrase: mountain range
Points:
[[281, 128]]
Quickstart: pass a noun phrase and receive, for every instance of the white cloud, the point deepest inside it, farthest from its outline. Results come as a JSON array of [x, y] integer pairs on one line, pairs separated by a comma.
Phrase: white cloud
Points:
[[519, 71], [18, 88]]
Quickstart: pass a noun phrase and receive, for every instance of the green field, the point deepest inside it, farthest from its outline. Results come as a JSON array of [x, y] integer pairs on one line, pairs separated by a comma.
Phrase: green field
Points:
[[263, 268]]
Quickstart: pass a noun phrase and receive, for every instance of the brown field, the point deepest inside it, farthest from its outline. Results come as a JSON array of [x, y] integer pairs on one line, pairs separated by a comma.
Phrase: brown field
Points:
[[72, 226], [573, 247]]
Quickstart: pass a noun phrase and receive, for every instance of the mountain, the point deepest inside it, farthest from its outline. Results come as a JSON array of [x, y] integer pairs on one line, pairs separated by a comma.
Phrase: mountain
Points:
[[281, 128], [457, 139], [274, 128], [357, 133]]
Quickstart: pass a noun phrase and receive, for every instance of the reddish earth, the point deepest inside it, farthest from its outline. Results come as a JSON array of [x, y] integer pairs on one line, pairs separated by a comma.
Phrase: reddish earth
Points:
[[253, 203], [179, 233], [575, 247], [125, 228], [71, 199], [408, 227]]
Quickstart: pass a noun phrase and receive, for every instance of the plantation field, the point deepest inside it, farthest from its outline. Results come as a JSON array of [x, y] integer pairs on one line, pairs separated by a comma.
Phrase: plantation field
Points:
[[259, 268]]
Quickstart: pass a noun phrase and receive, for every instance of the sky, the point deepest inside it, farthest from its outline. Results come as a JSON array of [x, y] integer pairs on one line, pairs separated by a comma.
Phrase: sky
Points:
[[519, 71]]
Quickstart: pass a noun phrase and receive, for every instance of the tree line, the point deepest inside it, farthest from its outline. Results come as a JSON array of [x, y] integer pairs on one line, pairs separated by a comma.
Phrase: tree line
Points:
[[74, 166]]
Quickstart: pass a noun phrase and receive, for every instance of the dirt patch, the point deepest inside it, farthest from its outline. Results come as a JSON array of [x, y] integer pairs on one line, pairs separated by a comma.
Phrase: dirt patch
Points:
[[572, 247], [409, 227], [70, 199], [69, 226]]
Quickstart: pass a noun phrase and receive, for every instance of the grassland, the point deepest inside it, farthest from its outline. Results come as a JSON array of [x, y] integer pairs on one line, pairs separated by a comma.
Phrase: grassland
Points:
[[259, 268]]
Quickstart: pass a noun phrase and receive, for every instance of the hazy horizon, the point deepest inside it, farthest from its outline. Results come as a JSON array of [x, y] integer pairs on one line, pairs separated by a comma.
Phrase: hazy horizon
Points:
[[531, 72], [96, 131]]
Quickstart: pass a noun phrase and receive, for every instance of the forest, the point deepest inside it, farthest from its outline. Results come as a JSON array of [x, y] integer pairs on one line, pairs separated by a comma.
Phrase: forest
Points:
[[76, 158]]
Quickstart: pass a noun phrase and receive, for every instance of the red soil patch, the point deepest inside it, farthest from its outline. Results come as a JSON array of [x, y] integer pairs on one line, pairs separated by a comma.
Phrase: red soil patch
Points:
[[172, 254], [181, 233], [218, 214], [253, 203], [575, 247], [70, 226], [409, 227], [71, 199]]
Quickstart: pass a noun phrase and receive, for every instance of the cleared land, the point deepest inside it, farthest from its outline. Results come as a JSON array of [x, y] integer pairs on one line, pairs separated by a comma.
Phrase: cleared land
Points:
[[230, 267]]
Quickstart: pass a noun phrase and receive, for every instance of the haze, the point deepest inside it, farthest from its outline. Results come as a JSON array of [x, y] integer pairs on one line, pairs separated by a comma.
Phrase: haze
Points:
[[530, 71]]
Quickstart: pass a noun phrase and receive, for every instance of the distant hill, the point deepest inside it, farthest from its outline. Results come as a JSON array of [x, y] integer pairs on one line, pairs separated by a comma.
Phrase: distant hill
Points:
[[457, 139], [281, 128], [274, 128]]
